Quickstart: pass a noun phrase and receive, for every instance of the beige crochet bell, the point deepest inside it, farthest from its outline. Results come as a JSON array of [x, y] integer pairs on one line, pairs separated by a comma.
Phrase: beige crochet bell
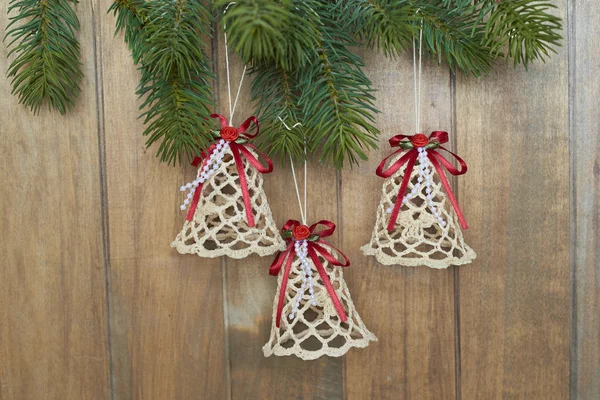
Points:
[[315, 330], [419, 237], [219, 226]]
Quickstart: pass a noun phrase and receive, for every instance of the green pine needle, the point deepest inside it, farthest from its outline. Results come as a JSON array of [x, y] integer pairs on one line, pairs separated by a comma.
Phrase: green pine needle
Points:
[[336, 96], [525, 28], [168, 40], [131, 17], [304, 74], [282, 32], [456, 35], [276, 93], [47, 66], [387, 25]]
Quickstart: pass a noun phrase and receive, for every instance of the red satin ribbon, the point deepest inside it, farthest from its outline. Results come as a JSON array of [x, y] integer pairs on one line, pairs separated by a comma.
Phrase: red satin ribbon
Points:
[[409, 159], [238, 150], [314, 249]]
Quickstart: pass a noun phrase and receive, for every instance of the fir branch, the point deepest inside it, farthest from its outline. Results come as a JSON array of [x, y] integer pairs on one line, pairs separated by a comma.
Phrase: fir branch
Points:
[[456, 35], [525, 28], [337, 98], [131, 16], [176, 78], [47, 67], [275, 91], [387, 25], [282, 32]]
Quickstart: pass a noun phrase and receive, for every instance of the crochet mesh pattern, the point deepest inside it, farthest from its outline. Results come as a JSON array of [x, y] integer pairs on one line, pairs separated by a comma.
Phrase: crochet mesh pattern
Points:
[[317, 330], [219, 226], [418, 239]]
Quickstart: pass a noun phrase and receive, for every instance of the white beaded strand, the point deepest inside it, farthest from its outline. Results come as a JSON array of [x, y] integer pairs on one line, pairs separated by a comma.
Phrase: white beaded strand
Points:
[[426, 177], [211, 166], [425, 172], [301, 248]]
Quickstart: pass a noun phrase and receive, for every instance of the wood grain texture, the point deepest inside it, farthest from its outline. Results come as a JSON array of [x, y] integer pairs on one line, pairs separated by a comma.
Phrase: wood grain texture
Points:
[[250, 289], [510, 326], [585, 147], [512, 130], [410, 310], [53, 334], [166, 309]]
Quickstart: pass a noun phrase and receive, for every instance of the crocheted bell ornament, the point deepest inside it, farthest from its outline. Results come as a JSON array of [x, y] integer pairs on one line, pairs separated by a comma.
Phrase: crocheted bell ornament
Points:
[[228, 209], [313, 313], [421, 227]]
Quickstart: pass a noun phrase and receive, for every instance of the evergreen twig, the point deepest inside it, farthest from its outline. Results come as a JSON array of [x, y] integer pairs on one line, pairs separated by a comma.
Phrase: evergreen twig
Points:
[[275, 91], [47, 66], [283, 32], [336, 96], [302, 67], [167, 40], [525, 28]]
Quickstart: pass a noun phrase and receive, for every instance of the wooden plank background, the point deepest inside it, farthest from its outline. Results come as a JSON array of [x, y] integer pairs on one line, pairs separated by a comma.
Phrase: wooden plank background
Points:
[[94, 304]]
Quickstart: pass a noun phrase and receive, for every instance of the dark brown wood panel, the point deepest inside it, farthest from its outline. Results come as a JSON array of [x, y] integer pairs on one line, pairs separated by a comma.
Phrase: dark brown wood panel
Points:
[[250, 289], [53, 334], [166, 308], [513, 132], [585, 242], [410, 310]]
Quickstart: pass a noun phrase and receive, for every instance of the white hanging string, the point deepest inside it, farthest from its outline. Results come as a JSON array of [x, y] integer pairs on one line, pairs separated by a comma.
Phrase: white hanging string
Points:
[[417, 86], [303, 210], [237, 96], [300, 246]]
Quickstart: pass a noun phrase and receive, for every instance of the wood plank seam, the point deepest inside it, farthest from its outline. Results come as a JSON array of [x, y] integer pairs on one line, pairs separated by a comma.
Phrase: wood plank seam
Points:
[[103, 188], [340, 230], [456, 271], [571, 64]]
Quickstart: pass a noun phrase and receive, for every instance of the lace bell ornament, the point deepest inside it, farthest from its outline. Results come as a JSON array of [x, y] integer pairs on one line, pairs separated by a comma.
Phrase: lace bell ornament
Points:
[[313, 313], [228, 210], [419, 220]]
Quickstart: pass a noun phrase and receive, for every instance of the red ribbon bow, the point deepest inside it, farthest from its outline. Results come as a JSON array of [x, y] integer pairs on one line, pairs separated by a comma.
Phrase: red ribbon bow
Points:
[[410, 158], [238, 150], [315, 247]]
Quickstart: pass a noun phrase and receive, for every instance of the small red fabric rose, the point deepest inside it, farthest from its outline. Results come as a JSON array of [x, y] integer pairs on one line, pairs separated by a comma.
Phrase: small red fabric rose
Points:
[[419, 140], [301, 232], [229, 133]]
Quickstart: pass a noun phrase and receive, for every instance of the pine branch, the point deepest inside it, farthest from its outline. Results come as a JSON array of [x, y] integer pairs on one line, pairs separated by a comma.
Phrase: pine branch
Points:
[[387, 25], [282, 32], [337, 98], [47, 66], [457, 36], [131, 16], [166, 40], [302, 67], [275, 91], [176, 78], [525, 28]]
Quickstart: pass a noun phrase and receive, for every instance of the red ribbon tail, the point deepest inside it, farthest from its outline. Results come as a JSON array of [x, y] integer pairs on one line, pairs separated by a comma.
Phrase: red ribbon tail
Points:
[[286, 273], [444, 180], [401, 192], [243, 183], [253, 160], [194, 205], [328, 255], [242, 128], [334, 298]]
